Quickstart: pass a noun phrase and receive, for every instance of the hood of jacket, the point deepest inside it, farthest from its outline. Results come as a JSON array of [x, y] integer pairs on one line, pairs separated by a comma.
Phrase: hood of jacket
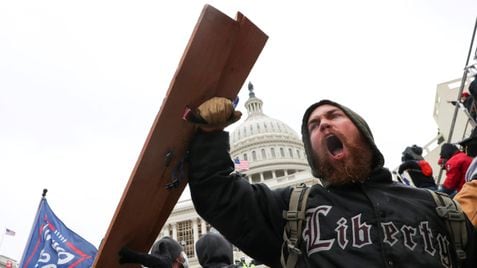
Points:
[[167, 247], [213, 250], [378, 159]]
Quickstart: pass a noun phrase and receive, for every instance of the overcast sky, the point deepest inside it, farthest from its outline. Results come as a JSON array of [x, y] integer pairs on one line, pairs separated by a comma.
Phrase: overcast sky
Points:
[[82, 81]]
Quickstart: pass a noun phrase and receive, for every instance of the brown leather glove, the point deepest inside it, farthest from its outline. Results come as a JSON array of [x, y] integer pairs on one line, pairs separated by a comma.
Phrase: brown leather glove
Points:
[[218, 113]]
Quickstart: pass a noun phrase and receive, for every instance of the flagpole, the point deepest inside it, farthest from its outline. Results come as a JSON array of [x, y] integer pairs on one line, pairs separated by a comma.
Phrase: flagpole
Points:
[[43, 197]]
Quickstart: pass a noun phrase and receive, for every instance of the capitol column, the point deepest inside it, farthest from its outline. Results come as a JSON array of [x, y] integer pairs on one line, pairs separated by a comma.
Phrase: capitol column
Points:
[[203, 226], [174, 231], [195, 232], [166, 230]]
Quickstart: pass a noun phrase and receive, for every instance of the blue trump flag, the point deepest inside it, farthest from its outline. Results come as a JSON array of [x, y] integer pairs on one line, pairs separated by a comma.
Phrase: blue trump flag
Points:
[[53, 245]]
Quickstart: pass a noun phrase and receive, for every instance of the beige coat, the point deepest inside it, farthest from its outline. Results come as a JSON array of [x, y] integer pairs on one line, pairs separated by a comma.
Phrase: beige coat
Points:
[[467, 198]]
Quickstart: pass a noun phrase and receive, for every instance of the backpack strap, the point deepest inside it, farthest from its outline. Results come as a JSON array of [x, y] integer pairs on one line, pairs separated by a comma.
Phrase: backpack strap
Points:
[[454, 219], [295, 215]]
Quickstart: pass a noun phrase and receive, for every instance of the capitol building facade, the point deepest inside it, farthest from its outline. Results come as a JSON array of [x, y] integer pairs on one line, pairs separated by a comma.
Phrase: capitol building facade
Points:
[[275, 156]]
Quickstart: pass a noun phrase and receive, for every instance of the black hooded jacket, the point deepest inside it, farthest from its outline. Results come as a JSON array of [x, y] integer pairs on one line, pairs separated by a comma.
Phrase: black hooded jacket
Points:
[[376, 223], [213, 251], [163, 254], [418, 169]]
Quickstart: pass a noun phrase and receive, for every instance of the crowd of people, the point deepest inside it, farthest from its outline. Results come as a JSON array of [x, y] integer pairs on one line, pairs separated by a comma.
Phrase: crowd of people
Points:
[[358, 216], [455, 159], [415, 170], [213, 251]]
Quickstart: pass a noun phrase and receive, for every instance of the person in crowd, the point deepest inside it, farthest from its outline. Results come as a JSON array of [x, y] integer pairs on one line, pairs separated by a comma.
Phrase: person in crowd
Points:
[[419, 170], [165, 253], [467, 196], [473, 88], [214, 251], [243, 263], [469, 146], [358, 217], [252, 264], [455, 162], [468, 102]]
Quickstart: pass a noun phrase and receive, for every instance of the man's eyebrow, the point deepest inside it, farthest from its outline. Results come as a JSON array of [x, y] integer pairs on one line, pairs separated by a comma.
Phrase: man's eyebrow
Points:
[[334, 109], [327, 113], [313, 120]]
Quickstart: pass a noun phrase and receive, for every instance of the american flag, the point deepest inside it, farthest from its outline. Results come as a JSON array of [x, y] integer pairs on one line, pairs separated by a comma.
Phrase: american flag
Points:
[[9, 232], [241, 165]]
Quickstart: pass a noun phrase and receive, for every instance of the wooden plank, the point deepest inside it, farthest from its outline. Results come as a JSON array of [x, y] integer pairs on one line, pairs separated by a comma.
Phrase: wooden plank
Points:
[[216, 62]]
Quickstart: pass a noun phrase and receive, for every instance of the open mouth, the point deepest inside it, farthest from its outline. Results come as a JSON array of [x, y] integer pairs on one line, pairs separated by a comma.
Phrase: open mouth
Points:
[[334, 145]]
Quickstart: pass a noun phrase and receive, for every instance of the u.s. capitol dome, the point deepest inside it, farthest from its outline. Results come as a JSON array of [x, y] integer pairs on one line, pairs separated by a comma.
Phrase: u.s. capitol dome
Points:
[[274, 151]]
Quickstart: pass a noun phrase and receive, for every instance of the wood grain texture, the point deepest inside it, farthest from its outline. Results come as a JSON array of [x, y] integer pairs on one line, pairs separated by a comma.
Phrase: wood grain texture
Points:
[[217, 60]]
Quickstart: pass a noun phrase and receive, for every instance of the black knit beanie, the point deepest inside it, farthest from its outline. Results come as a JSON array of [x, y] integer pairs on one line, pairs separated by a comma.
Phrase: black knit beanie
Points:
[[167, 247], [378, 159], [448, 150], [412, 153]]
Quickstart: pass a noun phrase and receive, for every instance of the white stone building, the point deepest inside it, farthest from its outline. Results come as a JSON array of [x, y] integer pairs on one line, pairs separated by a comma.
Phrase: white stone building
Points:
[[447, 94]]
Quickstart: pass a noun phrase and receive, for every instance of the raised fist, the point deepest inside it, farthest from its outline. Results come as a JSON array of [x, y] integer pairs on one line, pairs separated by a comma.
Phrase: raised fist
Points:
[[216, 114]]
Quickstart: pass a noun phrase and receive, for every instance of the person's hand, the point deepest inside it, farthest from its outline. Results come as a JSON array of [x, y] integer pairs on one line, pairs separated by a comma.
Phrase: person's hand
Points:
[[127, 255], [401, 169], [217, 113], [442, 162]]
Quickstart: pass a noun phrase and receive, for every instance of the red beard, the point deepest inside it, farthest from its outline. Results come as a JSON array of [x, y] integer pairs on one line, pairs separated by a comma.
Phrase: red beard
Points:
[[354, 168]]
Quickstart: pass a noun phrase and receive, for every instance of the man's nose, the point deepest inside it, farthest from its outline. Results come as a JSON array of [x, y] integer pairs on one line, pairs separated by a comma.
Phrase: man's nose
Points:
[[324, 124]]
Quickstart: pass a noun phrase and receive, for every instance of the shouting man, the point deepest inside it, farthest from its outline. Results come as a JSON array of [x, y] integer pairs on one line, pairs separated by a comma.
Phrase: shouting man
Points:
[[358, 217]]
